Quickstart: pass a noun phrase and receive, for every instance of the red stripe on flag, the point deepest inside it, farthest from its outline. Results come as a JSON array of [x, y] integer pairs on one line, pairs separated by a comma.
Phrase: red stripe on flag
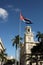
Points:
[[21, 17], [25, 19]]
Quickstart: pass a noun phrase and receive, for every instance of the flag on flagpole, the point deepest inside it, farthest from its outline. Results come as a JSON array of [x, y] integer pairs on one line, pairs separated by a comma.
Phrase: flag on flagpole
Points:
[[27, 21]]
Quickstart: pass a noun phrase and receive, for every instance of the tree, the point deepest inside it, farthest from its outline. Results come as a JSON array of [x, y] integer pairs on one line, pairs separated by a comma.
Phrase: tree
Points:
[[10, 62], [40, 36], [38, 49], [16, 42]]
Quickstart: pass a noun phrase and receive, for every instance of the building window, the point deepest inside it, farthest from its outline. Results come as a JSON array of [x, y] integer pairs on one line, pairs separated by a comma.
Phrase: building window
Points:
[[28, 30]]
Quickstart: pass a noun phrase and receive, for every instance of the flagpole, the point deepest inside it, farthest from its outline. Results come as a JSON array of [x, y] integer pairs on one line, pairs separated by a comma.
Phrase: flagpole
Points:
[[19, 40], [20, 28]]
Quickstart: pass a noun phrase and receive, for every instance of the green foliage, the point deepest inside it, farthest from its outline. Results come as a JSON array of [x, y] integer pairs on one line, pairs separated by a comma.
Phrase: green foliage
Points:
[[39, 36], [16, 40], [10, 62], [39, 47]]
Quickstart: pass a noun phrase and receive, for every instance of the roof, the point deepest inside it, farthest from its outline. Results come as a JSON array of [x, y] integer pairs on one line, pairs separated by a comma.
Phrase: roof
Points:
[[2, 43]]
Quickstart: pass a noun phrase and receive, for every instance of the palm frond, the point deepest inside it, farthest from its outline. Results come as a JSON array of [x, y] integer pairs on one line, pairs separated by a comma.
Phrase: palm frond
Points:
[[16, 40]]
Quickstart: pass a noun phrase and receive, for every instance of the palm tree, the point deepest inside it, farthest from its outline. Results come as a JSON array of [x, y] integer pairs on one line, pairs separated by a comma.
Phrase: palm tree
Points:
[[16, 42], [38, 49], [39, 36]]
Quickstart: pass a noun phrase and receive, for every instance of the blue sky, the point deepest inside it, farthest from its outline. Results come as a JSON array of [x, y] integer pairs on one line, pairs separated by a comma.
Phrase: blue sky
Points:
[[10, 21]]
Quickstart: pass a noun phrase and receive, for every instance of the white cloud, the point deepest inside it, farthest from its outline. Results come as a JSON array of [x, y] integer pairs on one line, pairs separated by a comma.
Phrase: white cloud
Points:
[[3, 14], [10, 6], [14, 9], [17, 10]]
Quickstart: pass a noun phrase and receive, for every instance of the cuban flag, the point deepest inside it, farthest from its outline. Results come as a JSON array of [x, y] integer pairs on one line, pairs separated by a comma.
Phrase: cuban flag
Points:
[[27, 21]]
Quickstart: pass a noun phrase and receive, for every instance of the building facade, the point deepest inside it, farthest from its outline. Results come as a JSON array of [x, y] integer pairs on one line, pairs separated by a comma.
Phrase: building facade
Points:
[[27, 46], [1, 50], [28, 43], [1, 46]]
